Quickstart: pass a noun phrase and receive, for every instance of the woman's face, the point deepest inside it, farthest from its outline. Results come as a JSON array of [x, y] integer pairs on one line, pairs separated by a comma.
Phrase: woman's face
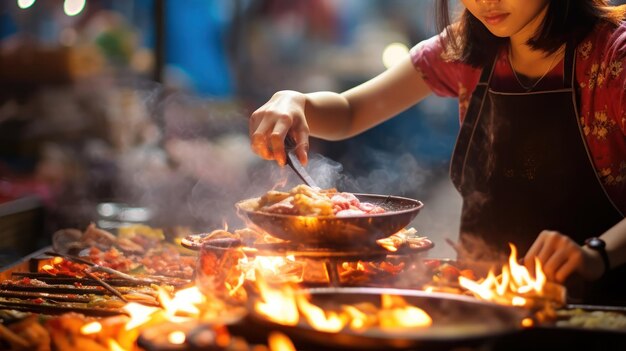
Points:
[[508, 18]]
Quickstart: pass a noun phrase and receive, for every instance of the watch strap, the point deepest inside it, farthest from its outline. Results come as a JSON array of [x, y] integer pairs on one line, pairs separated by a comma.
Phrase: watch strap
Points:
[[599, 246]]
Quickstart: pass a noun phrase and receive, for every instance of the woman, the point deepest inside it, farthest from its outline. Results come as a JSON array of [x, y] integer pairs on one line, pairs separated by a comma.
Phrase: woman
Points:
[[540, 159]]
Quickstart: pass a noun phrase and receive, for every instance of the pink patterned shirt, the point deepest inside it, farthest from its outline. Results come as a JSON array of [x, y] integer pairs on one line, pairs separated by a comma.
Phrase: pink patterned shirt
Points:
[[601, 84]]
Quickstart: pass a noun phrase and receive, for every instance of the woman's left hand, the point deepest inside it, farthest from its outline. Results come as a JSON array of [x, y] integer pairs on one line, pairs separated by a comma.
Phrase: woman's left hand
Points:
[[560, 256]]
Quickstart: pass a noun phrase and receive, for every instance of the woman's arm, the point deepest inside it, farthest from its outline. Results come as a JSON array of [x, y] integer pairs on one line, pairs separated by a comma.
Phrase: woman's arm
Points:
[[333, 116]]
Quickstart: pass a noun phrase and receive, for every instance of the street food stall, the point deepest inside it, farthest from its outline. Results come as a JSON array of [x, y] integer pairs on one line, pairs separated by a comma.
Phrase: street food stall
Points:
[[145, 288], [134, 216]]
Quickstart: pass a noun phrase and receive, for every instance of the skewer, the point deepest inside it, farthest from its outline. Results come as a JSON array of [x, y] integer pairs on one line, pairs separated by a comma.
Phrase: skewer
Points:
[[95, 289], [105, 285], [154, 279], [61, 279], [49, 309], [92, 265], [33, 295]]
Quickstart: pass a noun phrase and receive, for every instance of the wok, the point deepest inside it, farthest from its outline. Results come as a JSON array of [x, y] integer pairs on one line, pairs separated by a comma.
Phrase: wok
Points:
[[458, 321], [362, 230]]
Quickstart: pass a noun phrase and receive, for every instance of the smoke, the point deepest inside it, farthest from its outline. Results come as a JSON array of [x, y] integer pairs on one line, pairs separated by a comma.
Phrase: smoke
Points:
[[188, 160], [399, 174], [384, 172]]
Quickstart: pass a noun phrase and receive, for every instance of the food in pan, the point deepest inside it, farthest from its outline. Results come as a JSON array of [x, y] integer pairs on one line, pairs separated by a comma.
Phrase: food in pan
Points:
[[303, 200], [590, 319]]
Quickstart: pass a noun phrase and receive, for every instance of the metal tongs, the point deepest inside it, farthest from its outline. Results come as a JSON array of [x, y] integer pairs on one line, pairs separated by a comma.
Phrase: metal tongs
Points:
[[294, 163]]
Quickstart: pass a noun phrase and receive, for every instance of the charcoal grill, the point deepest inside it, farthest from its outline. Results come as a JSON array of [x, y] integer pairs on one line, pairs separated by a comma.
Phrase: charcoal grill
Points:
[[59, 294]]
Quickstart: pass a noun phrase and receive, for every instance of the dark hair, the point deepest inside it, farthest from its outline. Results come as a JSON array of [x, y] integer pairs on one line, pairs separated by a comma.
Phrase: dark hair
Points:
[[469, 41]]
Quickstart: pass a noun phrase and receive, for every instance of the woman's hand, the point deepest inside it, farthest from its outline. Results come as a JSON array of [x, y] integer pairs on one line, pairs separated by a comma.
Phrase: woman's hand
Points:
[[282, 115], [560, 256]]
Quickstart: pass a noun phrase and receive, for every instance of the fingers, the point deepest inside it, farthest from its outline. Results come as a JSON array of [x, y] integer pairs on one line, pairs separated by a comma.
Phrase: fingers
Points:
[[301, 137], [258, 130], [270, 124], [559, 255], [554, 263], [572, 264], [549, 247], [277, 141], [535, 248], [267, 135]]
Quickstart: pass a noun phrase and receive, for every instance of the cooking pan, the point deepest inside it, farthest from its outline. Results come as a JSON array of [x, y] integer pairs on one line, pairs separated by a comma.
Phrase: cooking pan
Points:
[[458, 321], [361, 230]]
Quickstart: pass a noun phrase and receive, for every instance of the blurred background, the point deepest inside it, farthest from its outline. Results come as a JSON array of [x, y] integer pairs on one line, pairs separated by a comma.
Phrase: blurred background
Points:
[[135, 111]]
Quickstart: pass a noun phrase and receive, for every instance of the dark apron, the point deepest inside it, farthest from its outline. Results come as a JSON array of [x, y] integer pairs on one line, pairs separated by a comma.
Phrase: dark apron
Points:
[[522, 166]]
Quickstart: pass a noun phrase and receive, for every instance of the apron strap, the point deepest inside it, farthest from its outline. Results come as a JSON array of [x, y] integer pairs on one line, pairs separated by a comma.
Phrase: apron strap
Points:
[[457, 162], [569, 65]]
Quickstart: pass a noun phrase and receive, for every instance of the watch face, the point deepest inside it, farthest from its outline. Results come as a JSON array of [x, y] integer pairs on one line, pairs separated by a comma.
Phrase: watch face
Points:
[[595, 243]]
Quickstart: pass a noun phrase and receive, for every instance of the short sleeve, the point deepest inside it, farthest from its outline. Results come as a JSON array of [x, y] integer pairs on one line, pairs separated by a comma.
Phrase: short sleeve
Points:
[[442, 76]]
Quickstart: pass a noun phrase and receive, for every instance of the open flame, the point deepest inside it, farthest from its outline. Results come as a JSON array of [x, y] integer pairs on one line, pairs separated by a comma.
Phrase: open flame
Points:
[[280, 342], [396, 312], [278, 305], [284, 305], [284, 269], [515, 285], [184, 307], [177, 337], [91, 328], [114, 346], [48, 269]]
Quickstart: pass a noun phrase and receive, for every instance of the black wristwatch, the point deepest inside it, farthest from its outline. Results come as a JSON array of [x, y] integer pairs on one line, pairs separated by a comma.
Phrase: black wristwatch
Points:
[[599, 245]]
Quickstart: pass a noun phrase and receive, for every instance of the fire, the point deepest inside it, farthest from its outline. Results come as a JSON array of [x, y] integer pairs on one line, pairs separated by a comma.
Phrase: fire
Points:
[[114, 346], [91, 328], [280, 342], [319, 319], [274, 268], [515, 285], [286, 306], [139, 314], [177, 337], [185, 302], [185, 306], [527, 322], [48, 269], [279, 305], [396, 312]]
